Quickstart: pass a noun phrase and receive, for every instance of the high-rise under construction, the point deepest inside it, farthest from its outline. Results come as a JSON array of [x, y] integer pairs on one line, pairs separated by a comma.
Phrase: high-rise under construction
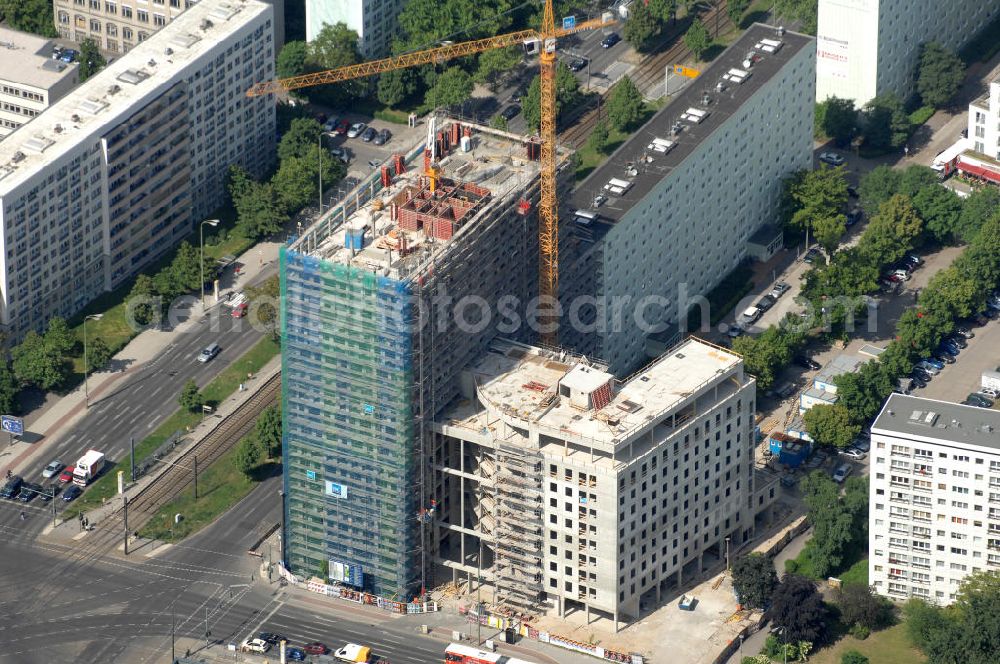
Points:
[[385, 300]]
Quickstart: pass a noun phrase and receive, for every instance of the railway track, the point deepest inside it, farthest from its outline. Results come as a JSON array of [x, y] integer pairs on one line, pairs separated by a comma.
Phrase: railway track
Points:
[[649, 72], [87, 552]]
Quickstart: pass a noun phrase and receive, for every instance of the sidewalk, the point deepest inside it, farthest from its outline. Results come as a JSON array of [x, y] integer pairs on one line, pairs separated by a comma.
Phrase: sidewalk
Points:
[[47, 424]]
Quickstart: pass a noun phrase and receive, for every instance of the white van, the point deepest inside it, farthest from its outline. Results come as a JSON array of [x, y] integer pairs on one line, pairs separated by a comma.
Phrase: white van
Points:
[[750, 315]]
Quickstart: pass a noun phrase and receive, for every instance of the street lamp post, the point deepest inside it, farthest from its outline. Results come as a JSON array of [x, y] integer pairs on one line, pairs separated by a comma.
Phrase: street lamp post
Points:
[[727, 553], [86, 363], [201, 245]]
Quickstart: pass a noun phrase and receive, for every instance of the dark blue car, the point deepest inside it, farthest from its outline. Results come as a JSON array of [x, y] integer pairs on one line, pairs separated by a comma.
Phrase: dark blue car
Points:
[[295, 654]]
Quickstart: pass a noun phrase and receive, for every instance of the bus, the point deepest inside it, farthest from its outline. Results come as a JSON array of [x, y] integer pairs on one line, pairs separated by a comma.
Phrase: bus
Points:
[[456, 653]]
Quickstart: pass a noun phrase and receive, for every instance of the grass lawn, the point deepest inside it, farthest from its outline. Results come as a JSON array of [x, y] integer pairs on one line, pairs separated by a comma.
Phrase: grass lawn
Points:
[[221, 387], [220, 486], [855, 569], [858, 573], [888, 646], [112, 327]]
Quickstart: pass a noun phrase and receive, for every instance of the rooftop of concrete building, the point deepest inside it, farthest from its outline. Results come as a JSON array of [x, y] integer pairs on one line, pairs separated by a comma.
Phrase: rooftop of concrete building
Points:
[[915, 417], [397, 228], [844, 363], [111, 95], [576, 398], [677, 130], [27, 60]]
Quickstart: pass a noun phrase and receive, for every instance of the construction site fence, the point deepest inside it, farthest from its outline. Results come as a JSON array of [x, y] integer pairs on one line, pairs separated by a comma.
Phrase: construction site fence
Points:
[[358, 597], [527, 631]]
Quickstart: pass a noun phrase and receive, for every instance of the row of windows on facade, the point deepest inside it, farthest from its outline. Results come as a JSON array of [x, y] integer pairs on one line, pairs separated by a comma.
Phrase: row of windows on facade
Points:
[[112, 7], [14, 91], [110, 28], [923, 453], [20, 110]]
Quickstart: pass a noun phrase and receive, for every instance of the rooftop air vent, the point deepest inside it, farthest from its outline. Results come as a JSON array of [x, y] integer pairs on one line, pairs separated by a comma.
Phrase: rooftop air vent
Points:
[[74, 117], [38, 144], [768, 45], [206, 24], [152, 62], [18, 156], [187, 40], [694, 115], [736, 75], [781, 30], [133, 76], [168, 51], [94, 106], [928, 418], [661, 145], [58, 129]]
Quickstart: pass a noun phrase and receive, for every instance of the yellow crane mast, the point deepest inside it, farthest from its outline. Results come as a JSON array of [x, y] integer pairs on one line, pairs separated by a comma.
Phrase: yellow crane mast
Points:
[[548, 221]]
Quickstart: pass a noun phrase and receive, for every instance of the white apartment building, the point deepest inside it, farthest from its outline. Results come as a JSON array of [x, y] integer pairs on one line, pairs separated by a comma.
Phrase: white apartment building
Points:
[[680, 200], [865, 48], [984, 123], [373, 20], [30, 79], [934, 503], [116, 173], [563, 488]]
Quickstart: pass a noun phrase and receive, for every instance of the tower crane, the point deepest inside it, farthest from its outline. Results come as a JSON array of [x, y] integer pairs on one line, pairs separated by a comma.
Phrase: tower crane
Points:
[[545, 38]]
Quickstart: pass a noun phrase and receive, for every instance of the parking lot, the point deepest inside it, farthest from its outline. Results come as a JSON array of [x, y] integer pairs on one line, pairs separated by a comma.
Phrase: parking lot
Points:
[[957, 380]]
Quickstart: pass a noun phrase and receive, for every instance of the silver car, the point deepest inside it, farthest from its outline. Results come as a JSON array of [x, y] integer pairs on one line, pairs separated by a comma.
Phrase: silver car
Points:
[[843, 470], [54, 468], [356, 129]]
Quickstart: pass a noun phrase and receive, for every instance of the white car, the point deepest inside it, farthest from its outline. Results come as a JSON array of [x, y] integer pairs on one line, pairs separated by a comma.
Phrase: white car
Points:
[[255, 645], [356, 129], [902, 274], [750, 315], [843, 470], [831, 158], [986, 392], [853, 453], [53, 469]]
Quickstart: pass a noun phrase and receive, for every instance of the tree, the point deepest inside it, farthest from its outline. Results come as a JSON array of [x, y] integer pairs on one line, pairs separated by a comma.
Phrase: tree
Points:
[[29, 16], [833, 524], [335, 46], [301, 139], [59, 339], [35, 363], [831, 425], [190, 398], [967, 631], [803, 11], [811, 196], [828, 230], [268, 431], [91, 60], [939, 74], [886, 123], [296, 183], [754, 579], [981, 204], [663, 10], [567, 95], [624, 104], [141, 297], [186, 266], [735, 9], [915, 177], [953, 293], [767, 353], [878, 186], [98, 354], [697, 38], [499, 122], [248, 455], [422, 22], [853, 657], [264, 304], [930, 629], [598, 139], [258, 211], [450, 89], [891, 233], [940, 208], [395, 86], [496, 63], [640, 27], [859, 605], [798, 608], [837, 118], [8, 389], [292, 60], [861, 393]]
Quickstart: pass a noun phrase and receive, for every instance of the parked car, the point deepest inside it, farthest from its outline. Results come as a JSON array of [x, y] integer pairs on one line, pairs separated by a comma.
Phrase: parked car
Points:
[[841, 473], [577, 64], [990, 313], [315, 648], [35, 490], [852, 192], [854, 216], [54, 468], [921, 374], [779, 289], [27, 493], [293, 654], [255, 645], [271, 638], [610, 40], [765, 302], [343, 127], [369, 134], [806, 362], [811, 255], [331, 124], [862, 443], [383, 137], [341, 154], [945, 357], [356, 129], [902, 274], [510, 112], [750, 315], [914, 260], [965, 332], [853, 453], [934, 363], [957, 340], [980, 400], [67, 474], [68, 55], [735, 331], [989, 392], [831, 158], [917, 380], [72, 492], [950, 348]]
